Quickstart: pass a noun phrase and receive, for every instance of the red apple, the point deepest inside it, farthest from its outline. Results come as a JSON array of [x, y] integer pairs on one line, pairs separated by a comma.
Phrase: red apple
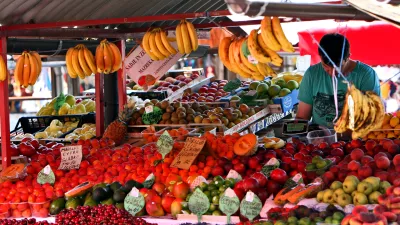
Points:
[[273, 187], [337, 152], [356, 143], [364, 172], [166, 202], [253, 163], [279, 176], [353, 165], [26, 149], [366, 159], [383, 175], [396, 160], [261, 178], [382, 162], [154, 209], [239, 193], [250, 184], [356, 154], [240, 168], [181, 190]]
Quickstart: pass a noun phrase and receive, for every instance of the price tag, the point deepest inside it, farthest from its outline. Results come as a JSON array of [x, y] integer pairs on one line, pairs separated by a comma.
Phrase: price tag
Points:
[[251, 59], [234, 175], [197, 181], [165, 144], [294, 181], [134, 202], [198, 203], [46, 175], [149, 181], [269, 166], [232, 85], [293, 127], [250, 209], [71, 157], [189, 152], [213, 131], [148, 109], [249, 196], [152, 117], [229, 204]]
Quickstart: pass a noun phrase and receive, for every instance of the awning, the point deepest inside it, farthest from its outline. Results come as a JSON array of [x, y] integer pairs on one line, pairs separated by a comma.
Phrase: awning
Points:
[[375, 43]]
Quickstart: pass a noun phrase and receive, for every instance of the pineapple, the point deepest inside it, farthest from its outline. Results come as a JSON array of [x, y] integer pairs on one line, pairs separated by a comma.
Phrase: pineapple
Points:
[[117, 130]]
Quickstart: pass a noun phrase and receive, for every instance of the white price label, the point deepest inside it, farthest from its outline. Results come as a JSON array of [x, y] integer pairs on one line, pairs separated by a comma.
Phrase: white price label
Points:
[[272, 162], [252, 59], [134, 192], [230, 193], [149, 109], [71, 157], [250, 196]]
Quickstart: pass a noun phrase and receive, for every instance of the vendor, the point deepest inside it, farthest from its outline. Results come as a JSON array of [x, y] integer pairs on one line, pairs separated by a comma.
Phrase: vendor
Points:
[[316, 90]]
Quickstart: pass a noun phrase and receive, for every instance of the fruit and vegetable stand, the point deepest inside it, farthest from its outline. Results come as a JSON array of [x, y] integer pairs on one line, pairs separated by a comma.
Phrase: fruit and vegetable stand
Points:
[[191, 156]]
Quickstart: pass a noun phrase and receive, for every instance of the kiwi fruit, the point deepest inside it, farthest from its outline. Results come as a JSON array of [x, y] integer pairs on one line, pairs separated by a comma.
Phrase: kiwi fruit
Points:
[[181, 115], [164, 104], [166, 116], [170, 109]]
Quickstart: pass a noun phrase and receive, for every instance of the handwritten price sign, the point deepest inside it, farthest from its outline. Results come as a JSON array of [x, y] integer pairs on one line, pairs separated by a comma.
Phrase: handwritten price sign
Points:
[[188, 154], [71, 157]]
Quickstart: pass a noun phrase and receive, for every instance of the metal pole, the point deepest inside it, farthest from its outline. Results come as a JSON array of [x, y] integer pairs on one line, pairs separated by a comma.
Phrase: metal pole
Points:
[[4, 111], [99, 86], [110, 98], [121, 77]]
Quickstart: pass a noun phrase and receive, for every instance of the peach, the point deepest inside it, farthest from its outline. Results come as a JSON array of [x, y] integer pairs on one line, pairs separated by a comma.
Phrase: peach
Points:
[[364, 172], [386, 143], [356, 154], [369, 145], [353, 165], [382, 162], [383, 175], [366, 159], [396, 160], [356, 143], [379, 155]]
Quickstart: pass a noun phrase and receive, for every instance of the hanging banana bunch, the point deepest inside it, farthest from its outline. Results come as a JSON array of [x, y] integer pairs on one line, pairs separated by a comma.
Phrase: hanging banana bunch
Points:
[[28, 68], [3, 70], [186, 37], [80, 62], [108, 57], [157, 45]]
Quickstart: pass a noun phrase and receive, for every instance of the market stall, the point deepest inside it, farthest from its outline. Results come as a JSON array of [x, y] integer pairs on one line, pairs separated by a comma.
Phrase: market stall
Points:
[[181, 147]]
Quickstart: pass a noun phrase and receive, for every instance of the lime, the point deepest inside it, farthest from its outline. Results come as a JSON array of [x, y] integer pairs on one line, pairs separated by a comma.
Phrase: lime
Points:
[[274, 90], [221, 195], [212, 187], [209, 198], [281, 83], [215, 200], [217, 213], [222, 189], [230, 182], [208, 193], [214, 193], [218, 178], [283, 92], [203, 186], [292, 84], [212, 208], [253, 85], [219, 183], [262, 88]]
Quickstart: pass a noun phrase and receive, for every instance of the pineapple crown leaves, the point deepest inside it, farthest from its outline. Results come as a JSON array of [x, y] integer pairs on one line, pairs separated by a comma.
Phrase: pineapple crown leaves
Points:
[[126, 114]]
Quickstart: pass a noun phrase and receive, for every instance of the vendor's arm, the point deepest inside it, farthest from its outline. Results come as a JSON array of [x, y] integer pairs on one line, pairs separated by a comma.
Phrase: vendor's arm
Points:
[[305, 97]]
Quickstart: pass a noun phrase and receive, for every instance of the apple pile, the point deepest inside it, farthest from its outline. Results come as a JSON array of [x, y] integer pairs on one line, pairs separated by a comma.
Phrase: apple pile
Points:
[[361, 215], [259, 184], [389, 203], [212, 93], [174, 84]]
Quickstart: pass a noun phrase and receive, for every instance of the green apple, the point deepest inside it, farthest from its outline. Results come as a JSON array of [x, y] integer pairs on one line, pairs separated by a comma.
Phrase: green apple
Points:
[[318, 219], [280, 222], [337, 193], [375, 181], [320, 196], [335, 221], [344, 199], [304, 221], [321, 164], [338, 216], [328, 196], [328, 219], [292, 220], [364, 187], [354, 193], [360, 199], [316, 159], [373, 197], [268, 223], [350, 184], [336, 185], [383, 186], [311, 166]]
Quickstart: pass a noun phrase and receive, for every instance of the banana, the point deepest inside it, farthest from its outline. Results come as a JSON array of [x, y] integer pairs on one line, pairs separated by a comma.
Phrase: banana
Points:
[[153, 47], [380, 109], [262, 68], [146, 46], [108, 58], [34, 69], [364, 112], [193, 36], [223, 52], [271, 72], [90, 60], [99, 59], [341, 124], [167, 45], [357, 98], [179, 39], [185, 38], [82, 61], [38, 59], [245, 61], [267, 35], [280, 35], [233, 63], [160, 45], [75, 63], [26, 71], [19, 69], [272, 54], [372, 118], [3, 69], [171, 39], [117, 57], [255, 49], [236, 56]]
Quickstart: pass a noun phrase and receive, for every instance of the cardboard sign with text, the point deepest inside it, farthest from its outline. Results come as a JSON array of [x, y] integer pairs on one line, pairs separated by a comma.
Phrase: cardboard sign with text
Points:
[[189, 152], [139, 64], [71, 157]]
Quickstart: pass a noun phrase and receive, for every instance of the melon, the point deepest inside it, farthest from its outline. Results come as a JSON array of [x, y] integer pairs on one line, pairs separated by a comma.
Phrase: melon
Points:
[[246, 145], [79, 190]]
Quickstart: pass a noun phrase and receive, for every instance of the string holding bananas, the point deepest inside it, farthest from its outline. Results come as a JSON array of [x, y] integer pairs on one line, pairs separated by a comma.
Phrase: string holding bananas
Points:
[[361, 113], [27, 68], [3, 70], [108, 57]]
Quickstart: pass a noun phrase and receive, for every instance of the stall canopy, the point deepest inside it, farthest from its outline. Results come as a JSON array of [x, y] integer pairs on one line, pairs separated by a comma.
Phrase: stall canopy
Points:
[[373, 43]]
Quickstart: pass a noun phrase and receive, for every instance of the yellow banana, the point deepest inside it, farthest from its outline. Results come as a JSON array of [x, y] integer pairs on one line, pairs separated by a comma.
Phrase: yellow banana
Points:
[[75, 63], [99, 58], [193, 35], [117, 57], [34, 69], [166, 43], [256, 51], [82, 62], [185, 38], [179, 39], [90, 60], [70, 67], [267, 35], [27, 70], [261, 67], [3, 69], [146, 46], [280, 35], [153, 46], [19, 69], [246, 61], [238, 60], [171, 39], [38, 59], [233, 63], [271, 72], [272, 54], [108, 58], [160, 45], [223, 52]]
